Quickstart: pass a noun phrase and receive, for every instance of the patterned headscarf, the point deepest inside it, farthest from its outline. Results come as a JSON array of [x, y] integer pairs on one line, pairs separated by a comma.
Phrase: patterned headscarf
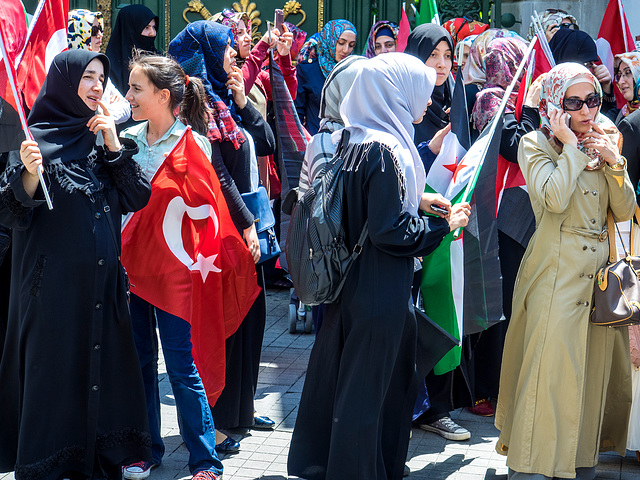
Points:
[[371, 42], [231, 19], [551, 16], [336, 87], [500, 63], [461, 28], [309, 50], [299, 36], [327, 43], [80, 23], [474, 69], [631, 60], [199, 49], [554, 88]]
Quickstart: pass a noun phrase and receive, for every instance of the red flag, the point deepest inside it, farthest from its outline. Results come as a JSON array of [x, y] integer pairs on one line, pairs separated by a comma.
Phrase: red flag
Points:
[[404, 30], [184, 255], [13, 29], [47, 37], [614, 37]]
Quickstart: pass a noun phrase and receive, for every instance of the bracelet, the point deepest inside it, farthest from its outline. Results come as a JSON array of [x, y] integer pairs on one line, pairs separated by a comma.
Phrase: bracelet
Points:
[[609, 98], [621, 163]]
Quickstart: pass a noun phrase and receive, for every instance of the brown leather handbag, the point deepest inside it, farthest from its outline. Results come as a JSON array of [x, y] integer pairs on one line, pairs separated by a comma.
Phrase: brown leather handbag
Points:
[[616, 294]]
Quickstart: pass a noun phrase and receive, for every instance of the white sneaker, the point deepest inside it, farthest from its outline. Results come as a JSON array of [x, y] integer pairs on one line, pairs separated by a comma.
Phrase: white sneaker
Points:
[[138, 470], [447, 428]]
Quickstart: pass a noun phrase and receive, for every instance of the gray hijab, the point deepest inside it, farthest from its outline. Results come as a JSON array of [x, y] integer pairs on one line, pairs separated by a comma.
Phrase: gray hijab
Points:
[[335, 88]]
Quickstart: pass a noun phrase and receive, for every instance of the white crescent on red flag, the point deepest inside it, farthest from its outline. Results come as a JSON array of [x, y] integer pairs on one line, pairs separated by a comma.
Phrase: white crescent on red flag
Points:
[[47, 37]]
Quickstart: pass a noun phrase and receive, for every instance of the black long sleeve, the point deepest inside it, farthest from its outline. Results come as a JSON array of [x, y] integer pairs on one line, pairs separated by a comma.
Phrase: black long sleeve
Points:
[[629, 127], [513, 131], [260, 130]]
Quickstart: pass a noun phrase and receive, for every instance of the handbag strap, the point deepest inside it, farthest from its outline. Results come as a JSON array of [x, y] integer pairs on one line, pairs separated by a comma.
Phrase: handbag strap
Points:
[[611, 232]]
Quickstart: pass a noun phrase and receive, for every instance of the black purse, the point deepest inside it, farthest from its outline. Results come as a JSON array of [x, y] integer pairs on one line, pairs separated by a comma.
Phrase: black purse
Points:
[[258, 204]]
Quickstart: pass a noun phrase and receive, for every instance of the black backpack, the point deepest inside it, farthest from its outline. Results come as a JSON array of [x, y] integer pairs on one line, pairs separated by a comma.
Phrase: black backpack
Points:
[[317, 256]]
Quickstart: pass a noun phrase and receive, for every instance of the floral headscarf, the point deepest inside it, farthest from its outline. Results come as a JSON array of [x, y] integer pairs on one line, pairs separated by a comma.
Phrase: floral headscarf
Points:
[[199, 49], [299, 36], [461, 28], [80, 23], [631, 60], [474, 69], [551, 16], [500, 63], [309, 50], [231, 19], [554, 88], [327, 43], [371, 42]]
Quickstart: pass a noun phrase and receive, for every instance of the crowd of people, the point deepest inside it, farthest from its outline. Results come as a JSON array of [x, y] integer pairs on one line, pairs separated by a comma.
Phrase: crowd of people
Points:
[[79, 351]]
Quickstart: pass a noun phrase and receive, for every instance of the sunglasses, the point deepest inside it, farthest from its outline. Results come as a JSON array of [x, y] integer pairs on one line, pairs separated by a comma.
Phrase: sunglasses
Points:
[[575, 104], [95, 29]]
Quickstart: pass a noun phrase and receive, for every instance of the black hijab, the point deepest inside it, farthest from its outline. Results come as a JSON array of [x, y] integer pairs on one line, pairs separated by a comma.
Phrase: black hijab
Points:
[[573, 46], [421, 42], [127, 34], [58, 119]]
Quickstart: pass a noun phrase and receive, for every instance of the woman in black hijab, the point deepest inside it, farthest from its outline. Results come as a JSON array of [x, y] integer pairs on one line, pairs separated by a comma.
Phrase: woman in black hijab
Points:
[[432, 44], [135, 27], [577, 46], [72, 402]]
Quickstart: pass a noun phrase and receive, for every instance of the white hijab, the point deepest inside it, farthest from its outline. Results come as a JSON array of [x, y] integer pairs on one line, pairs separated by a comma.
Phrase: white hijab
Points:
[[390, 92]]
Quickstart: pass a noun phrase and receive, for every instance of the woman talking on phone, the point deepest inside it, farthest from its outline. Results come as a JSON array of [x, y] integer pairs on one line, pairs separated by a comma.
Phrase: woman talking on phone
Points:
[[559, 371]]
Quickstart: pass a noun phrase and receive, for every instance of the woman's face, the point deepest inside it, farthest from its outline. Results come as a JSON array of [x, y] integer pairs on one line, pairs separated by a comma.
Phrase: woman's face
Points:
[[580, 119], [624, 77], [441, 59], [244, 39], [384, 44], [229, 59], [90, 88], [150, 30], [146, 100], [465, 56], [345, 45], [96, 40]]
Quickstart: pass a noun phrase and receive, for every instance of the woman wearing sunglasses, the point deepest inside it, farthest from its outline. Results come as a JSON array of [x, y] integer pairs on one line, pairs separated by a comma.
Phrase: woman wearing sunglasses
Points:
[[559, 371]]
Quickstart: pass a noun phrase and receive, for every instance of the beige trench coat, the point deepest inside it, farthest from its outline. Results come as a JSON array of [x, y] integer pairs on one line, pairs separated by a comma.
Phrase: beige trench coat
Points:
[[565, 385]]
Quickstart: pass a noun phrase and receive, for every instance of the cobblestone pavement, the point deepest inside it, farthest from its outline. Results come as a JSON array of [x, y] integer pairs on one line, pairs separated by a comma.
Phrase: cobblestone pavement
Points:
[[264, 454]]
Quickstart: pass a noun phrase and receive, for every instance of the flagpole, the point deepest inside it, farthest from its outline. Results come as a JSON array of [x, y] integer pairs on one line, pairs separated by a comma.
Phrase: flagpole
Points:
[[622, 19], [20, 111], [494, 123]]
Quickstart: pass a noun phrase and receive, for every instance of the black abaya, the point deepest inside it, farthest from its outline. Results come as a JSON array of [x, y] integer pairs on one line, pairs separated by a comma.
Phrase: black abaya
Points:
[[355, 412]]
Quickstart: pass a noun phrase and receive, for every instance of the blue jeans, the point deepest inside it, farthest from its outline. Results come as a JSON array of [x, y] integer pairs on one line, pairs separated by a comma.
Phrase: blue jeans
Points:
[[194, 415]]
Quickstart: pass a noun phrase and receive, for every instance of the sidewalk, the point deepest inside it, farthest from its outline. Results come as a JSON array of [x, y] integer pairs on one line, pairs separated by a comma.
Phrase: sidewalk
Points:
[[264, 454]]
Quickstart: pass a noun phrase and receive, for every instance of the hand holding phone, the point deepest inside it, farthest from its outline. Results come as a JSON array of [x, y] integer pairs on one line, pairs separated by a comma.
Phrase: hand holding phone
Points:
[[552, 108]]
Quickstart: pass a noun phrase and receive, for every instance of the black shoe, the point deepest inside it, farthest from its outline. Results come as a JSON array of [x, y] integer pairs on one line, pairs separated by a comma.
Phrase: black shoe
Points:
[[227, 446], [263, 423]]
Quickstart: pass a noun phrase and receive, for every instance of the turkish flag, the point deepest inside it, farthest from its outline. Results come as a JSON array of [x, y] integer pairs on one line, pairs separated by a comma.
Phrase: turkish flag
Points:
[[614, 37], [13, 30], [403, 31], [47, 37], [184, 255]]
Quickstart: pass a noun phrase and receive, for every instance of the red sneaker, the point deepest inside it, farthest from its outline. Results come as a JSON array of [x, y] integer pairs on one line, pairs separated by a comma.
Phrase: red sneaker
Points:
[[483, 408]]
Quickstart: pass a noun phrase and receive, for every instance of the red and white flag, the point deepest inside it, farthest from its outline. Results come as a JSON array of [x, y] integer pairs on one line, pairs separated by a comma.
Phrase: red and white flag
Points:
[[404, 29], [13, 30], [184, 255], [47, 37], [614, 37]]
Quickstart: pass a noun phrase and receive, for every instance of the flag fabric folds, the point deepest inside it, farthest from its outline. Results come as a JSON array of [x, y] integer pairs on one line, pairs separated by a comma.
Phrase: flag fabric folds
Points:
[[465, 270], [184, 255], [13, 29], [47, 37], [404, 29], [428, 12]]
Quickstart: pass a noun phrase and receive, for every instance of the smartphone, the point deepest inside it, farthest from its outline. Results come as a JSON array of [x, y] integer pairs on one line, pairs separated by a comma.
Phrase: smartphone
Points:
[[551, 107], [439, 209], [279, 19]]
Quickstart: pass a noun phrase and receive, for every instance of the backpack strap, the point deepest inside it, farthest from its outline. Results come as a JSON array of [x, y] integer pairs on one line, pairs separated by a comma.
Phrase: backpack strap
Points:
[[357, 249]]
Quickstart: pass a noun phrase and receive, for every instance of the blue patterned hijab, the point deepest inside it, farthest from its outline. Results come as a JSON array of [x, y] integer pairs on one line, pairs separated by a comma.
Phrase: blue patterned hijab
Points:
[[199, 49], [327, 43]]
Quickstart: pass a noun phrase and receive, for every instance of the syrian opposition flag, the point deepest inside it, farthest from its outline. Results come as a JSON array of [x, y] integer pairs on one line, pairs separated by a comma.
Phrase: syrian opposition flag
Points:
[[614, 37], [184, 256], [404, 29], [464, 269], [47, 37]]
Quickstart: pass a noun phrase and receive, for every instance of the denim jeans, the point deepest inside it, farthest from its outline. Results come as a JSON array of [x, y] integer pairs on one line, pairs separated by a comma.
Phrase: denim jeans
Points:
[[194, 415]]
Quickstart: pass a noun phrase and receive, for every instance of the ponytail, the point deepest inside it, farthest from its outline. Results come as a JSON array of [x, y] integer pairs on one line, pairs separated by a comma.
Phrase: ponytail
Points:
[[187, 94]]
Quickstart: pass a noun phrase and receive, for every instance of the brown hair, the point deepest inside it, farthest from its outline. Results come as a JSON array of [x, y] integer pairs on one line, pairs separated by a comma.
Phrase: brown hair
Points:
[[187, 93]]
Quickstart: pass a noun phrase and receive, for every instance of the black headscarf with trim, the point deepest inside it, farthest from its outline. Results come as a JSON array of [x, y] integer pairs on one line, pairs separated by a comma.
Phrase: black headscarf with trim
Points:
[[125, 36], [58, 119], [421, 42]]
